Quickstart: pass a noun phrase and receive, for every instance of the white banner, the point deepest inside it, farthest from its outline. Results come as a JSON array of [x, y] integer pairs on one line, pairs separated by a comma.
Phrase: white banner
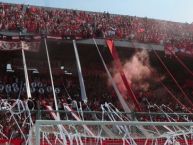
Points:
[[30, 46]]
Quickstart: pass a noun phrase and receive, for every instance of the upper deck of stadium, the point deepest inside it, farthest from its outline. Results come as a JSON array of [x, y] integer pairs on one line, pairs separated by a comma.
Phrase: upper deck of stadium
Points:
[[81, 24]]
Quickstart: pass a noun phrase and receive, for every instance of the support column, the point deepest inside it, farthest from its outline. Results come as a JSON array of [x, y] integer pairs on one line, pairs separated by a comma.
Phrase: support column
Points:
[[81, 81], [51, 77], [25, 73]]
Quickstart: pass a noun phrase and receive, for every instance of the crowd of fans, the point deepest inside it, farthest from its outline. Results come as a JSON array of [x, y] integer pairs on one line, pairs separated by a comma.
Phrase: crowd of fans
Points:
[[68, 92], [98, 90], [81, 24], [12, 87]]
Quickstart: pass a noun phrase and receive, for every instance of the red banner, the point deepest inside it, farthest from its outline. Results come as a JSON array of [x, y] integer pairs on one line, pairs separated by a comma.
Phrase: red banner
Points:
[[29, 46], [11, 142], [95, 141]]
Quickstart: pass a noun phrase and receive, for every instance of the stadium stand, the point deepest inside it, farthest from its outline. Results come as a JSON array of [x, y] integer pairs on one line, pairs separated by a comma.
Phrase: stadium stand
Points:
[[73, 24], [63, 23]]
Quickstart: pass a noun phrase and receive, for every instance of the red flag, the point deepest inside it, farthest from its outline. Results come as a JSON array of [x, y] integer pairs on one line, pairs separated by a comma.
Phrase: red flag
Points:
[[141, 30]]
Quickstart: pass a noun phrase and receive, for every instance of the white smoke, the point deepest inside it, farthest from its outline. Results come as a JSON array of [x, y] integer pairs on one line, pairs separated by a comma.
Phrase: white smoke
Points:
[[137, 71]]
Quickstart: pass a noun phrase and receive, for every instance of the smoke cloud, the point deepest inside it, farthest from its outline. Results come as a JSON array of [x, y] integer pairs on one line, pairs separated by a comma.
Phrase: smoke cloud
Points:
[[137, 72]]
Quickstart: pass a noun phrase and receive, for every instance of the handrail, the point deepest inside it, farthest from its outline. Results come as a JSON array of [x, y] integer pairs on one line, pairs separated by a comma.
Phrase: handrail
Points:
[[107, 112]]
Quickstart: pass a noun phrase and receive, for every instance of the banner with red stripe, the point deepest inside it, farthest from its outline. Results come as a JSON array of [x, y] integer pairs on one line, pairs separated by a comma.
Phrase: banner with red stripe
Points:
[[118, 65]]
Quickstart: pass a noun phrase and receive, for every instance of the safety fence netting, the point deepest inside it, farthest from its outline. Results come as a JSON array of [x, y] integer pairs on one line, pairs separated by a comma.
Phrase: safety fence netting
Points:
[[113, 128], [16, 120]]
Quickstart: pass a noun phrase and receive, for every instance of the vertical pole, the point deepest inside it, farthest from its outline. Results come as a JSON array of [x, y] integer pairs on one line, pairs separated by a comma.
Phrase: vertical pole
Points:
[[81, 81], [26, 73], [37, 131], [51, 77]]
